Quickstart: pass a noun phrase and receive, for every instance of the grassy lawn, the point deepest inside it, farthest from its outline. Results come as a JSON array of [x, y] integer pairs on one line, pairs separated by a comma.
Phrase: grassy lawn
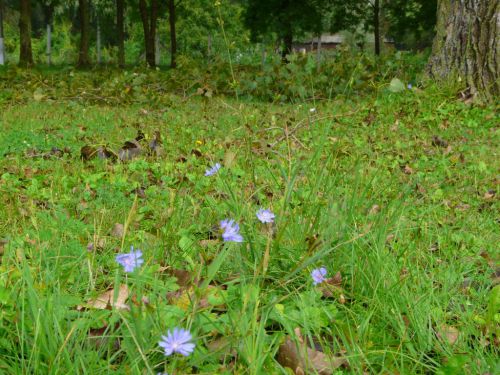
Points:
[[395, 195]]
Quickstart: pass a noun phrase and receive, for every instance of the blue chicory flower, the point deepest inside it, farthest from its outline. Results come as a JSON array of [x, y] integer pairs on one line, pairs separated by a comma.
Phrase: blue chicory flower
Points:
[[265, 216], [177, 341], [410, 86], [231, 231], [130, 261], [213, 170], [318, 275]]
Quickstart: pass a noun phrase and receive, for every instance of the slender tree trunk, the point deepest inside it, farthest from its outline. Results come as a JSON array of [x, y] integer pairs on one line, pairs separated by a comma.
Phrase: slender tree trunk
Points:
[[83, 13], [376, 26], [157, 50], [25, 53], [48, 10], [2, 45], [49, 45], [209, 46], [318, 54], [288, 43], [149, 18], [173, 36], [120, 10], [98, 39], [467, 45]]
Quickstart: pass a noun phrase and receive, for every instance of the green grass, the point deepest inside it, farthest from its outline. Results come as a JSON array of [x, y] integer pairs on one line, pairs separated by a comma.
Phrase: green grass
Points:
[[357, 187]]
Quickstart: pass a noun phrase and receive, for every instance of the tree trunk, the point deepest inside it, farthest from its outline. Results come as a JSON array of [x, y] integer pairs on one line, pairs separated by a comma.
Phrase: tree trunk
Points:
[[25, 53], [157, 50], [288, 44], [173, 36], [49, 44], [467, 45], [376, 26], [149, 17], [120, 10], [318, 54], [98, 39], [48, 10], [83, 13], [2, 45]]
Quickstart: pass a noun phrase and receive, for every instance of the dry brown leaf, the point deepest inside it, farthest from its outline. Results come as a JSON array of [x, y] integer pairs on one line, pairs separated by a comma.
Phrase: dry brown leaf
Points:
[[490, 194], [105, 300], [407, 169], [439, 142], [448, 334], [118, 230], [304, 360], [332, 286], [374, 210]]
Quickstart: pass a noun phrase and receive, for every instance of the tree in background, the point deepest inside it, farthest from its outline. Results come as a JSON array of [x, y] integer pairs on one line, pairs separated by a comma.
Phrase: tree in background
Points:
[[411, 22], [285, 18], [84, 18], [25, 52], [173, 35], [2, 44], [120, 31], [467, 45], [149, 11]]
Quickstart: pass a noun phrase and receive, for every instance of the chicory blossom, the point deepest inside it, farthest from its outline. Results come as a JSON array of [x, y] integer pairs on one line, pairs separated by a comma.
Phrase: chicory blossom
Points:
[[318, 275], [213, 170], [265, 216], [177, 341], [130, 261], [231, 231]]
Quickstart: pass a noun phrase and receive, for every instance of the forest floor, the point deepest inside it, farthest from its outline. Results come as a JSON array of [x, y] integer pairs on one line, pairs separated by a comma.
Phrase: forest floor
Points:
[[395, 195]]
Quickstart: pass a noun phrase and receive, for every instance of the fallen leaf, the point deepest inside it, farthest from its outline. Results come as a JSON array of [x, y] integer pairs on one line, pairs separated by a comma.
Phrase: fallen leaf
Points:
[[439, 142], [229, 159], [130, 150], [490, 194], [374, 210], [155, 145], [118, 230], [407, 169], [304, 360], [448, 334], [105, 300]]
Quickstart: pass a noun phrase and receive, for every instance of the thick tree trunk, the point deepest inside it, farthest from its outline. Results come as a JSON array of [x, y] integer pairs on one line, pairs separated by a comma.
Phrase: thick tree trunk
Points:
[[149, 18], [83, 13], [2, 45], [467, 45], [376, 26], [120, 10], [173, 36], [25, 53]]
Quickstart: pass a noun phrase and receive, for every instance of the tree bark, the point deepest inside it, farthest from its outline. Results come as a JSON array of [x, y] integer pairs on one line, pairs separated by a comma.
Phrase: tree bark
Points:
[[120, 10], [149, 16], [98, 39], [25, 53], [288, 44], [467, 45], [83, 13], [376, 26], [173, 36], [48, 10], [2, 45]]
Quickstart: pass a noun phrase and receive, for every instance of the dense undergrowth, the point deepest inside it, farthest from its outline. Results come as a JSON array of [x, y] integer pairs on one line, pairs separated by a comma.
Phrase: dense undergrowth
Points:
[[395, 194], [340, 73]]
